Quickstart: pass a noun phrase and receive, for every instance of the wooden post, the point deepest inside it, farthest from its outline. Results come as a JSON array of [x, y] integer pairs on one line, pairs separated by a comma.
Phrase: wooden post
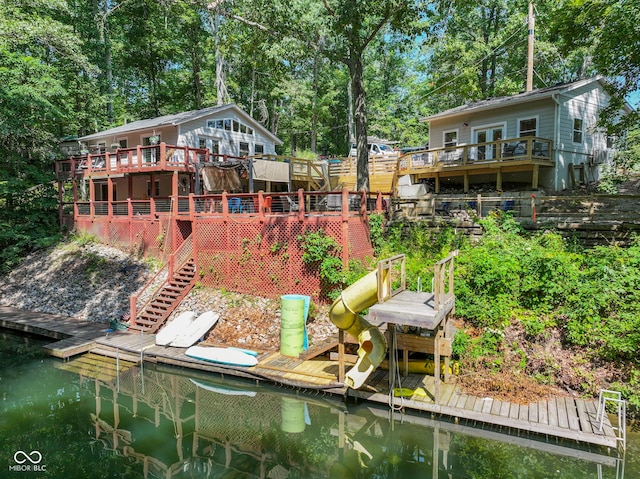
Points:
[[479, 203], [60, 199], [344, 241], [437, 183], [132, 308], [535, 177], [466, 182], [109, 198], [163, 157], [92, 199], [341, 355], [174, 192], [225, 205], [301, 205], [436, 368], [499, 179]]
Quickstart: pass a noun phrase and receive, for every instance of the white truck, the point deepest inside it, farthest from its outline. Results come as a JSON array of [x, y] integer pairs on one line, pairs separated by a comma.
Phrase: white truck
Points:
[[376, 149]]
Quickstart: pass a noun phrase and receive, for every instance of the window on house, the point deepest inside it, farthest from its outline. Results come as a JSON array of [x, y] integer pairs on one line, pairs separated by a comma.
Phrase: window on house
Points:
[[243, 128], [156, 188], [215, 147], [249, 131], [227, 124], [244, 148], [122, 142], [259, 149], [211, 123], [528, 127], [236, 126], [577, 130], [450, 138], [202, 143]]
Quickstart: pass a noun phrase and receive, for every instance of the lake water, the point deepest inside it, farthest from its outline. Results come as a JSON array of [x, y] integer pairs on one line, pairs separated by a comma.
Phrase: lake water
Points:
[[81, 419]]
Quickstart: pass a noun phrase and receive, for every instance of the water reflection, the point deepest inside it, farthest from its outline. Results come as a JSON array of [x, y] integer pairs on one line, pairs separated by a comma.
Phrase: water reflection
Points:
[[189, 425], [91, 417]]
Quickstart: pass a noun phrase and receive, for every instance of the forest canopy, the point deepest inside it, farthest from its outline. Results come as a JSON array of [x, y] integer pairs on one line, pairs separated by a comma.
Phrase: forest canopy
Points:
[[318, 74]]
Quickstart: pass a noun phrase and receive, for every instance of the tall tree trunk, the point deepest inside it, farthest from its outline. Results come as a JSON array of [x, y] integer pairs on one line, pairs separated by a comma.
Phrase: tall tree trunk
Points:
[[314, 107], [197, 82], [360, 109], [109, 79]]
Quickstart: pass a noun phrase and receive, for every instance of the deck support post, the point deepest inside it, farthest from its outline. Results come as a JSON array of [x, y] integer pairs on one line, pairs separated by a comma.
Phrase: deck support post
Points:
[[341, 355], [110, 198], [466, 182], [535, 177], [499, 179], [436, 368], [437, 178], [344, 241]]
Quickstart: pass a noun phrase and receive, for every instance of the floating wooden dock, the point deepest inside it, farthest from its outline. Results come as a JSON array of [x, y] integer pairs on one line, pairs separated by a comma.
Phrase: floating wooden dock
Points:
[[559, 417]]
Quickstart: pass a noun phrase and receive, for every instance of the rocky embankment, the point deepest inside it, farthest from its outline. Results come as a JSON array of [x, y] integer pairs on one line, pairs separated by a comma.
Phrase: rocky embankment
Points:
[[93, 282]]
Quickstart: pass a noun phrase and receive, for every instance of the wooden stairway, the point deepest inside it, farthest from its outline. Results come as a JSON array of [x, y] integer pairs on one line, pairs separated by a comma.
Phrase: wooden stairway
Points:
[[166, 299]]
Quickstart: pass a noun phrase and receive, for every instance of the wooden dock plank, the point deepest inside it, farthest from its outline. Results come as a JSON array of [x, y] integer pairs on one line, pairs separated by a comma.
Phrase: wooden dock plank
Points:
[[495, 407], [563, 419], [523, 413], [585, 423], [514, 411], [470, 402], [505, 407], [462, 401], [572, 414], [533, 412], [552, 411], [487, 405], [543, 412]]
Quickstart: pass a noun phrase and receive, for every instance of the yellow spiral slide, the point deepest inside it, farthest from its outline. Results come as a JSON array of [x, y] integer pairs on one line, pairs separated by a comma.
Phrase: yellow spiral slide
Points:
[[344, 313]]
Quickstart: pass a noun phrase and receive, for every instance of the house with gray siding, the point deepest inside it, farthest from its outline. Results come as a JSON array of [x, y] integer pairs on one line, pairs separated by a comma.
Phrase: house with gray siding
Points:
[[547, 138], [224, 130]]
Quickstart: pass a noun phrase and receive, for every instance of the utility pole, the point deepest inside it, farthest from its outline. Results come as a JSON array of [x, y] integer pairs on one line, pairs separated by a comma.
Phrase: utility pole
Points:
[[531, 22]]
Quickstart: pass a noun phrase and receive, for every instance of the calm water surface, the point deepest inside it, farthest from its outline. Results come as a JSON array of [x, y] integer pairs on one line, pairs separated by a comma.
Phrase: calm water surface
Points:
[[80, 419]]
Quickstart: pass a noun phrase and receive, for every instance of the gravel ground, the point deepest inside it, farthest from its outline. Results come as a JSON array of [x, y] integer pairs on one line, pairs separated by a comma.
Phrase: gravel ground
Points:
[[94, 282]]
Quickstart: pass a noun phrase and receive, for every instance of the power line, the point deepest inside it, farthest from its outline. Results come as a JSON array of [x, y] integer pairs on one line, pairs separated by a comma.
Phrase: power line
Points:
[[518, 30]]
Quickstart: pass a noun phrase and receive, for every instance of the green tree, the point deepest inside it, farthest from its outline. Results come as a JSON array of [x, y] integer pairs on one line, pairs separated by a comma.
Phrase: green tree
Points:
[[340, 30], [39, 57]]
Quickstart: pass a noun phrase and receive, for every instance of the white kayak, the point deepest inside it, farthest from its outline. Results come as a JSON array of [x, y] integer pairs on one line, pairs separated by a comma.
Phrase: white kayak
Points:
[[196, 330], [230, 356], [172, 329]]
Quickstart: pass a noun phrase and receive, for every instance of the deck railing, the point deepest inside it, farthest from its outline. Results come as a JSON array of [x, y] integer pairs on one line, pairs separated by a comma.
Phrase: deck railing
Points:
[[443, 282], [139, 159], [523, 148], [246, 205], [377, 165]]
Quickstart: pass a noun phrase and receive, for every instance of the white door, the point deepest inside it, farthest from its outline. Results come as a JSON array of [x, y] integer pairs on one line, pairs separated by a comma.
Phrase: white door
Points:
[[487, 135]]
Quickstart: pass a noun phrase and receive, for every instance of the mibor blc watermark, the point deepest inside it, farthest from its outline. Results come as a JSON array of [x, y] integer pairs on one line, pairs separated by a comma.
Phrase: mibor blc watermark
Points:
[[27, 462]]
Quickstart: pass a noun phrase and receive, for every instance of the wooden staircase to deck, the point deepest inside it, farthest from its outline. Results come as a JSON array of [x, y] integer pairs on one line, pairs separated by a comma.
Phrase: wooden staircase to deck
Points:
[[166, 299]]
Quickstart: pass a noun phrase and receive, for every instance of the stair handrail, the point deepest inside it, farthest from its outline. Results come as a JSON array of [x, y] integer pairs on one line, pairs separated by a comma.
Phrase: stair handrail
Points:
[[183, 254]]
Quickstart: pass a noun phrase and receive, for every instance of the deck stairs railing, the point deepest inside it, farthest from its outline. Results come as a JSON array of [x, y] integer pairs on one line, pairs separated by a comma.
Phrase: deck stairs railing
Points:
[[153, 304], [615, 399]]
